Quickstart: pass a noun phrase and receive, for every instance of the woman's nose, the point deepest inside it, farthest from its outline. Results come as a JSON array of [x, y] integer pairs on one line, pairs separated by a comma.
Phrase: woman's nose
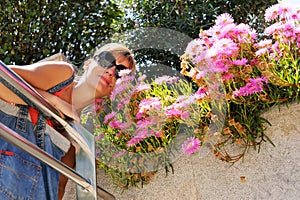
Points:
[[111, 71]]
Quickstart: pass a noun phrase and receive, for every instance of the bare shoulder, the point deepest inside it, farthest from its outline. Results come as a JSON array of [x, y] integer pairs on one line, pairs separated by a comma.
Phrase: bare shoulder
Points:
[[60, 67], [46, 74]]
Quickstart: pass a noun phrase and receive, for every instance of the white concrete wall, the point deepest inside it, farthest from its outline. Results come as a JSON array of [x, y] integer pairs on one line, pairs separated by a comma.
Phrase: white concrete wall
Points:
[[272, 174]]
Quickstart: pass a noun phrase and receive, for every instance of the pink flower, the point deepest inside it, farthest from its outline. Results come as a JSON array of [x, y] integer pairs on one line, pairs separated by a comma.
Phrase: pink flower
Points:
[[191, 145], [118, 89], [200, 57], [124, 72], [240, 62], [141, 134], [227, 31], [227, 77], [295, 15], [122, 153], [114, 123], [220, 66], [145, 122], [166, 79], [172, 112], [223, 47], [264, 43], [133, 141], [216, 32], [281, 12], [201, 93], [274, 28], [194, 48], [142, 87], [272, 12], [158, 134], [285, 11], [224, 19], [254, 85], [98, 137], [147, 105], [122, 85], [261, 52], [109, 116]]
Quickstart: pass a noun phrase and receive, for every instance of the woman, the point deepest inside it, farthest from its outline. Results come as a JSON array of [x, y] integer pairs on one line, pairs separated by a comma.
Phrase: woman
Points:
[[54, 80]]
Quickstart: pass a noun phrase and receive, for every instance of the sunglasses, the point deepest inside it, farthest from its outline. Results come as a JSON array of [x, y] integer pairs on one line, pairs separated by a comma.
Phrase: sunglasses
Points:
[[107, 60]]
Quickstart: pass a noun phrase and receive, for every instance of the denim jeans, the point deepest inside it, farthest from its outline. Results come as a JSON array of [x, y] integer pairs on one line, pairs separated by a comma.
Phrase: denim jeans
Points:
[[21, 175]]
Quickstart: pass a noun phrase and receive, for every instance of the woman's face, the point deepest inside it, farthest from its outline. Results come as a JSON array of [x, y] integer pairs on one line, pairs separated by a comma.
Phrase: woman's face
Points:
[[103, 79]]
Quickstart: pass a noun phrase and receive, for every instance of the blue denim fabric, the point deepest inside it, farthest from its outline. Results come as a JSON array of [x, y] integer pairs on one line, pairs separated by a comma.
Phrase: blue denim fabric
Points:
[[21, 175]]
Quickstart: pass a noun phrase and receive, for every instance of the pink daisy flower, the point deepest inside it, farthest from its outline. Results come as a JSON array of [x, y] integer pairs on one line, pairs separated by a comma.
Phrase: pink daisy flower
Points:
[[133, 141], [141, 134], [145, 122], [285, 11], [227, 77], [264, 43], [194, 48], [272, 12], [109, 116], [201, 93], [191, 145], [153, 103], [142, 87], [240, 62], [261, 52], [224, 19], [124, 72], [166, 79], [115, 123], [223, 47], [120, 154], [254, 85], [215, 31], [98, 137]]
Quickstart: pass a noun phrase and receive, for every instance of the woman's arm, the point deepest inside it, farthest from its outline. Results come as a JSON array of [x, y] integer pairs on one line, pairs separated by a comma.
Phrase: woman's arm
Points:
[[41, 75], [44, 75]]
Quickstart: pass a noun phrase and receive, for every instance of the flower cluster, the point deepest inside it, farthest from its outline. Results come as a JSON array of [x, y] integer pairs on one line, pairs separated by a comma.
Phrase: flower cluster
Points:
[[234, 74], [144, 124], [256, 72]]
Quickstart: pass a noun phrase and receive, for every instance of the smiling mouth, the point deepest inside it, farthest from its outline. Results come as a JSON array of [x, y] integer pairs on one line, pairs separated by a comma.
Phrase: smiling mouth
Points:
[[105, 80]]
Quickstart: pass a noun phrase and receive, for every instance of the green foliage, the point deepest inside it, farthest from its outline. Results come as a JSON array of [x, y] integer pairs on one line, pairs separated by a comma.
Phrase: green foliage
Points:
[[192, 15], [31, 30], [189, 17]]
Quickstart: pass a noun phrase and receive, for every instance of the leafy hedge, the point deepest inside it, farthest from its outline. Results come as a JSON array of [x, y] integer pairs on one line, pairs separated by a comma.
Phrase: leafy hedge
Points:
[[32, 30], [189, 17]]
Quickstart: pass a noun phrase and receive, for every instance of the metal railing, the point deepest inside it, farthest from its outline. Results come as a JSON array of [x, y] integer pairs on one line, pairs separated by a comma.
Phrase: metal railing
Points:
[[85, 174]]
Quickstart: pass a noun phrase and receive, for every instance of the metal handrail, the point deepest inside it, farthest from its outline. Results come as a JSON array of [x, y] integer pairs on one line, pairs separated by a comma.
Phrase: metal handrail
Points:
[[83, 141], [13, 80], [27, 146]]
